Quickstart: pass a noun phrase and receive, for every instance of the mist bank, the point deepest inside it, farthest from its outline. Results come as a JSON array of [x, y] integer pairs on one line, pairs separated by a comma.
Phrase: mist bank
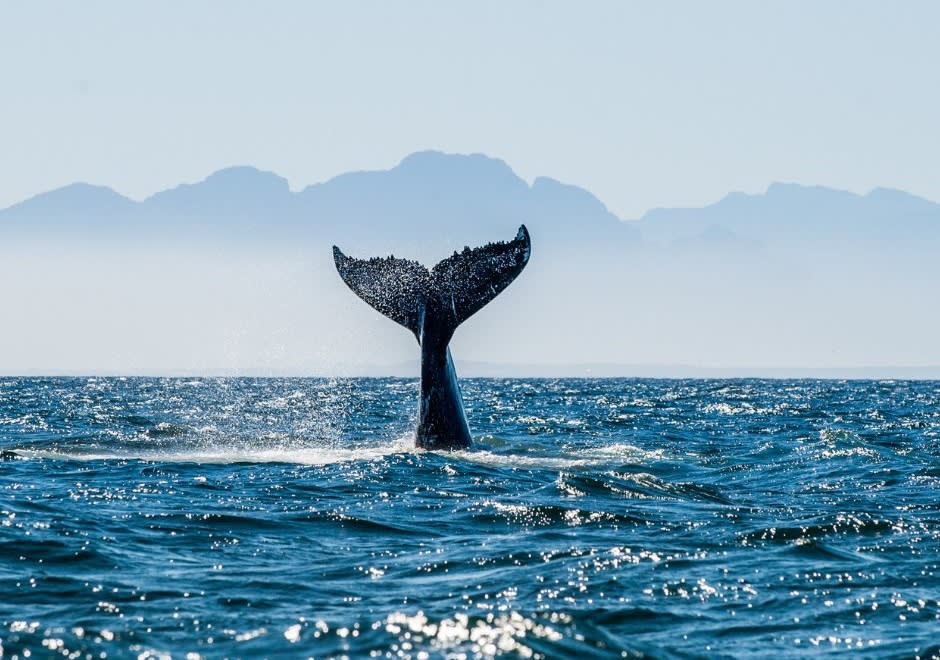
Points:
[[234, 275]]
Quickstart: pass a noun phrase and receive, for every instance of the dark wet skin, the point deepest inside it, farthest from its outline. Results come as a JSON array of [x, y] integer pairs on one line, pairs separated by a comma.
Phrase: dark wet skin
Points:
[[432, 305]]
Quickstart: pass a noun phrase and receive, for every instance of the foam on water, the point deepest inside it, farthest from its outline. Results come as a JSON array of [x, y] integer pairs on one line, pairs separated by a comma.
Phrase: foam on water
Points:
[[577, 458], [307, 455], [310, 456]]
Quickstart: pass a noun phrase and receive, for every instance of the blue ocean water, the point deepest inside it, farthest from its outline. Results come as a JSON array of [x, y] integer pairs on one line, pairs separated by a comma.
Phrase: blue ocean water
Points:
[[214, 518]]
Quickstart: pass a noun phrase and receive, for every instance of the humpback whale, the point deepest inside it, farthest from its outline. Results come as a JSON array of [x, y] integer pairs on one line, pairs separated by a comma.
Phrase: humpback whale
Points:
[[432, 304]]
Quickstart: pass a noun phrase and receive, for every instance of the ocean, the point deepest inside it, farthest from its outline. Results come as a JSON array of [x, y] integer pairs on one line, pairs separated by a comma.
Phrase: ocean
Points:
[[210, 518]]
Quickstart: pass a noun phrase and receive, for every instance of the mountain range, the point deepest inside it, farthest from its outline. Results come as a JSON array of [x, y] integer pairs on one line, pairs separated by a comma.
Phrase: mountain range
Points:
[[430, 198], [466, 196], [234, 274]]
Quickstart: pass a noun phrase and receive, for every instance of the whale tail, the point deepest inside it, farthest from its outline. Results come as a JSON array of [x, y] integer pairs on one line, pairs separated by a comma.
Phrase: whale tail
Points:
[[451, 292]]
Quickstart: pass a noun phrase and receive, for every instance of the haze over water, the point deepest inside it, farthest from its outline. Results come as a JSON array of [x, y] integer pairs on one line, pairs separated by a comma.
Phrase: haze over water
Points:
[[290, 517]]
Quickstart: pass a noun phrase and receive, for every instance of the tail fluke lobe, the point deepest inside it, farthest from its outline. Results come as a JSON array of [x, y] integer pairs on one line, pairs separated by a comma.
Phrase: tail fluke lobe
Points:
[[452, 292], [397, 288], [469, 279]]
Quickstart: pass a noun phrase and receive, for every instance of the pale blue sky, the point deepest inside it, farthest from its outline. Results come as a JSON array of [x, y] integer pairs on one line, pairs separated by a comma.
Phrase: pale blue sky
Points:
[[645, 104]]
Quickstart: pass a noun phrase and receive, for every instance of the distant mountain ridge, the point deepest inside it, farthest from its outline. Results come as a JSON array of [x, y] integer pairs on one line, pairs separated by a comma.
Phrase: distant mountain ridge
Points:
[[236, 272], [472, 197], [791, 213], [231, 190], [428, 204]]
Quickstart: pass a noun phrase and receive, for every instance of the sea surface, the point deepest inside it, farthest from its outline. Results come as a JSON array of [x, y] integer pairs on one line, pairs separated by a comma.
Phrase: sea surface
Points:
[[209, 518]]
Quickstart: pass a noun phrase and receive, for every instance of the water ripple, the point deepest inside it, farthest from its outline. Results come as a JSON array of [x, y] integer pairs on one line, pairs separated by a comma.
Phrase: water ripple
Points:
[[235, 517]]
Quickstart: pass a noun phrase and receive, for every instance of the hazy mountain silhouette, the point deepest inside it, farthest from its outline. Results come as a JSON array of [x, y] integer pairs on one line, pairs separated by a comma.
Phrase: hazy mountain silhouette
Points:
[[232, 191], [77, 207], [429, 196], [234, 274], [469, 198], [794, 214]]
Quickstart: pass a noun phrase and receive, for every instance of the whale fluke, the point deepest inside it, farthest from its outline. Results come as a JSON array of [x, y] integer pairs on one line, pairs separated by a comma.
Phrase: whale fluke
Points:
[[432, 304], [396, 288], [472, 278], [462, 283]]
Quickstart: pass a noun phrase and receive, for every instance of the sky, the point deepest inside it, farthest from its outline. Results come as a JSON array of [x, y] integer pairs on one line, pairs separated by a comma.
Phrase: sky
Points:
[[644, 104]]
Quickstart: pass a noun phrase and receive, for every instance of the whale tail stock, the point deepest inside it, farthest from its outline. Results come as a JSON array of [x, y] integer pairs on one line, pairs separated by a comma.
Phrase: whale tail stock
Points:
[[441, 299]]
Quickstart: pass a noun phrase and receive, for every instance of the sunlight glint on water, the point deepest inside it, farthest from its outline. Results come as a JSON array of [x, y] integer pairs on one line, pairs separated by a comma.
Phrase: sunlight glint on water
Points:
[[255, 517]]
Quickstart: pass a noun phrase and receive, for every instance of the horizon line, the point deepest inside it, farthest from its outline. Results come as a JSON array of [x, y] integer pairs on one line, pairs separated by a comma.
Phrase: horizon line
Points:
[[535, 372]]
